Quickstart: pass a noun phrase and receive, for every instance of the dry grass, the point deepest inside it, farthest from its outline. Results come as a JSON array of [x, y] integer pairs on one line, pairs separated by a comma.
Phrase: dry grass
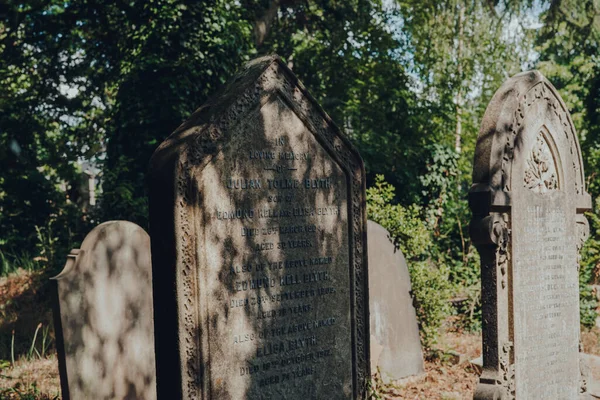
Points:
[[31, 379], [24, 303]]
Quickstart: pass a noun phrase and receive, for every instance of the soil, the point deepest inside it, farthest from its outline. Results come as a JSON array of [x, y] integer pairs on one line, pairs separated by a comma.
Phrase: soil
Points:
[[451, 376]]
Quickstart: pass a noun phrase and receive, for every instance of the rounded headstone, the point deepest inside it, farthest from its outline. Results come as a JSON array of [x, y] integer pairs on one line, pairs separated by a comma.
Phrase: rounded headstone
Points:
[[103, 316], [395, 344]]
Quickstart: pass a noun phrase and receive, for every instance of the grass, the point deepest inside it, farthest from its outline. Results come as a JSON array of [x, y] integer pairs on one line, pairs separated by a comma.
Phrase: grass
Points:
[[28, 363], [35, 379], [19, 379], [11, 262]]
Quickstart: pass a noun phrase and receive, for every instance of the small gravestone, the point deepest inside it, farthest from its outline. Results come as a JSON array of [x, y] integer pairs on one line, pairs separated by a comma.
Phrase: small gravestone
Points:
[[103, 316], [528, 199], [395, 344], [257, 210]]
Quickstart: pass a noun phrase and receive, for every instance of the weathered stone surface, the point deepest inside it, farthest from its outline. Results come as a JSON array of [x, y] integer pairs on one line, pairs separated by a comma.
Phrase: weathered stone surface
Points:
[[103, 316], [528, 199], [259, 254], [395, 344]]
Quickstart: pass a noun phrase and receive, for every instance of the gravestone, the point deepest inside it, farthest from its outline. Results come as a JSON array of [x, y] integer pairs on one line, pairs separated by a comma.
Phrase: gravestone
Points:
[[528, 198], [257, 209], [395, 344], [103, 316]]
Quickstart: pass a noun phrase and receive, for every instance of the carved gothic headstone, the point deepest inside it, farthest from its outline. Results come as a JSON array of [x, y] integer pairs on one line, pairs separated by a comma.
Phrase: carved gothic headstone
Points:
[[257, 208], [528, 199], [395, 343], [103, 316]]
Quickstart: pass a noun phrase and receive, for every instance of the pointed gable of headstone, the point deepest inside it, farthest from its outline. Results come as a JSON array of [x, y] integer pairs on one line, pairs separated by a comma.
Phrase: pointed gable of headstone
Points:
[[258, 224], [528, 198], [103, 316]]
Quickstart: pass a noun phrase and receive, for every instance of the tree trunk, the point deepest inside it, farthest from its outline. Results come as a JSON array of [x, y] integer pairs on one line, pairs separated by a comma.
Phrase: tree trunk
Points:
[[263, 24], [459, 71]]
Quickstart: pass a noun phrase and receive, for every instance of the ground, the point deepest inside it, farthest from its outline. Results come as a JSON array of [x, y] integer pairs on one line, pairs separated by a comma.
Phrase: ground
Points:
[[450, 376], [25, 308], [36, 378]]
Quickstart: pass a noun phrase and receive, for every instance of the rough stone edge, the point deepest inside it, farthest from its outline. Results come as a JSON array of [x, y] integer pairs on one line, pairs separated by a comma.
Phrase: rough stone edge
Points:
[[490, 202], [194, 142]]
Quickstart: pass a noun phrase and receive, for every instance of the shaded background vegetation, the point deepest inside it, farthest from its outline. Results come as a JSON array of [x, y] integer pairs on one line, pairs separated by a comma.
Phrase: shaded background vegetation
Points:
[[93, 84]]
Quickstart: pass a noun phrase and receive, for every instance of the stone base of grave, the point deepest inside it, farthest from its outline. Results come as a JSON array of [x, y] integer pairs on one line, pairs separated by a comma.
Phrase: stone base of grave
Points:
[[489, 389]]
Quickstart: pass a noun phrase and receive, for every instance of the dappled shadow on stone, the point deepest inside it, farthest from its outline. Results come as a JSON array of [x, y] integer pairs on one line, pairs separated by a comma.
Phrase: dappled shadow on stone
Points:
[[268, 206], [104, 316], [528, 199]]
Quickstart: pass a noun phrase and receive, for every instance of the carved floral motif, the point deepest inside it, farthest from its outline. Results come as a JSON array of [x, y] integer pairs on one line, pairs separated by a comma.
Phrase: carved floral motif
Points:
[[501, 233], [540, 168], [508, 371], [540, 92]]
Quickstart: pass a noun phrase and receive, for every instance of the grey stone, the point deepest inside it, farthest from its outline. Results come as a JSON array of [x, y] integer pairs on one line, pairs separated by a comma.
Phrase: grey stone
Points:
[[258, 226], [395, 343], [454, 357], [477, 364], [593, 363], [103, 316], [528, 198]]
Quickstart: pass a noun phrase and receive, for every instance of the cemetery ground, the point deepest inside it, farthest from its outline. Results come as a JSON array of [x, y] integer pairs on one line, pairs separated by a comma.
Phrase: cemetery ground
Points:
[[25, 305]]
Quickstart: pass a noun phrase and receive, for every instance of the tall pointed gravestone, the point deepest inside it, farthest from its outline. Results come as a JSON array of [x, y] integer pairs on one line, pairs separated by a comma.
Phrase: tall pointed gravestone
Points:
[[528, 198], [258, 224]]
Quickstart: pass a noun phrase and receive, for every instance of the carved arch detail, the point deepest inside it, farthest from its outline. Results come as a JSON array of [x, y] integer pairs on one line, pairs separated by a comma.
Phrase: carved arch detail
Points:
[[544, 92], [542, 165]]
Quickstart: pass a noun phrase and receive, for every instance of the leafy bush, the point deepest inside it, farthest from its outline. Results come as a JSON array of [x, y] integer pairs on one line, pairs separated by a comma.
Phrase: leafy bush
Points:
[[431, 293], [430, 285], [589, 270], [447, 218], [403, 223]]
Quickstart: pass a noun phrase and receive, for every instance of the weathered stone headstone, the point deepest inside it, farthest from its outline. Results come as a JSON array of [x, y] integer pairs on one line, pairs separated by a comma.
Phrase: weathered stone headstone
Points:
[[395, 343], [103, 316], [257, 208], [528, 199]]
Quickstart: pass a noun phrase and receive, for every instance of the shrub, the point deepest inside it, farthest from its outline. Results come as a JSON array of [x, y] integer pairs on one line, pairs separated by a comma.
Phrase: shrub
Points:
[[430, 285], [589, 270]]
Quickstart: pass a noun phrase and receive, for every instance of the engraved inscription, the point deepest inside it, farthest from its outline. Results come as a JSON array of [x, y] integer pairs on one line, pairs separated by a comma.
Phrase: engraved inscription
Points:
[[531, 164], [281, 268], [546, 304]]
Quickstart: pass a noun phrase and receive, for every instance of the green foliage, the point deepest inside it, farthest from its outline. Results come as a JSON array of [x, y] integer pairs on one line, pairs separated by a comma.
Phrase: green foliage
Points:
[[25, 392], [11, 262], [163, 60], [447, 216], [407, 80], [403, 223], [430, 287], [589, 270], [568, 44], [431, 292], [44, 343], [372, 391]]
